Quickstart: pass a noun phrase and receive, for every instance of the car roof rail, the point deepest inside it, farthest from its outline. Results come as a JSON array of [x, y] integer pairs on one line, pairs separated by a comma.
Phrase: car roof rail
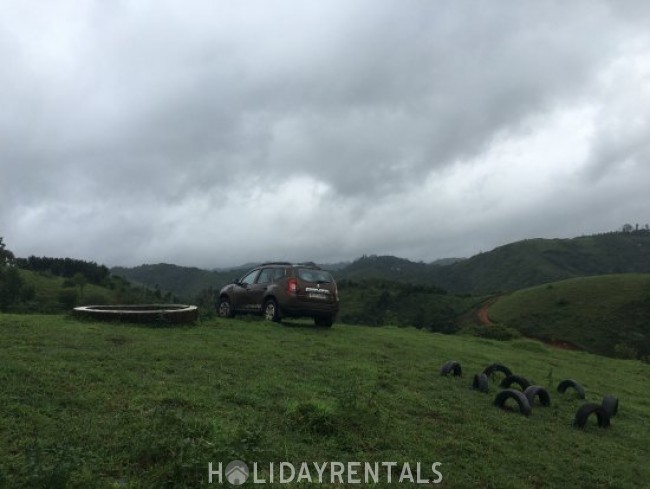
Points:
[[286, 263]]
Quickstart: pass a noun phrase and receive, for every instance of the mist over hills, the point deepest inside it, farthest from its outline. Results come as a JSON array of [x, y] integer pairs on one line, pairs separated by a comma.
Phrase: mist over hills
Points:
[[509, 267]]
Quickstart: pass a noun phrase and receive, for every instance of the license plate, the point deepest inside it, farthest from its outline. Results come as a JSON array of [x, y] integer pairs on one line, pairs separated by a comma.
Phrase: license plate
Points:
[[317, 296]]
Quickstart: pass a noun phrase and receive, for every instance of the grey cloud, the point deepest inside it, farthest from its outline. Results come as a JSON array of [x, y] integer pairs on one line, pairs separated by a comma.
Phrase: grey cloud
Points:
[[151, 106], [446, 82]]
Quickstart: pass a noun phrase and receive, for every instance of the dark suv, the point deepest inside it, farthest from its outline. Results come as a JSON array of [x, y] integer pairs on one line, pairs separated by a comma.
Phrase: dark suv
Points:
[[281, 289]]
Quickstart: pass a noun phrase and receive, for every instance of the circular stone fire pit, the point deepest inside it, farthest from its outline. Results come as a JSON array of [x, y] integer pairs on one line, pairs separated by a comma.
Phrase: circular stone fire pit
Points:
[[141, 313]]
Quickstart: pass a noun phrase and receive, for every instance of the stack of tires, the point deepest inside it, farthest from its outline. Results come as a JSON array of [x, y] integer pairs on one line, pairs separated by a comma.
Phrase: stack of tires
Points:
[[528, 394]]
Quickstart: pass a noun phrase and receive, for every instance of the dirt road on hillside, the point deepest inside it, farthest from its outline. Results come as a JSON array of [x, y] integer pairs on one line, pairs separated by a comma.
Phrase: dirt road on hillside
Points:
[[483, 317], [482, 313]]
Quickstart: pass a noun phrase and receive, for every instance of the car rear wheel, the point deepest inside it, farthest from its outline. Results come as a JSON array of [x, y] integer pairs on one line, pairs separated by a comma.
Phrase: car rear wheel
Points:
[[271, 311], [224, 309]]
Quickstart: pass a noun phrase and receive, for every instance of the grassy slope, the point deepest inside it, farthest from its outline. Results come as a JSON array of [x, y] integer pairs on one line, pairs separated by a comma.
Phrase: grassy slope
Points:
[[105, 405], [48, 287], [595, 313], [536, 261]]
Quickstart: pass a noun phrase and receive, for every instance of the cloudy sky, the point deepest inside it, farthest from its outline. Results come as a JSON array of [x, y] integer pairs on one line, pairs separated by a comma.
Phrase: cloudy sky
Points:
[[213, 133]]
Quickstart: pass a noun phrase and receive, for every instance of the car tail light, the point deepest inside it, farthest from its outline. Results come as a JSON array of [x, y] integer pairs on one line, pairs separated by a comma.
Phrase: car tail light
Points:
[[292, 285]]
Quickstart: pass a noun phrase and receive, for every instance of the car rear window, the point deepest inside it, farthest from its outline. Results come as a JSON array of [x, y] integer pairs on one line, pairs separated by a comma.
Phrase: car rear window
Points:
[[311, 275]]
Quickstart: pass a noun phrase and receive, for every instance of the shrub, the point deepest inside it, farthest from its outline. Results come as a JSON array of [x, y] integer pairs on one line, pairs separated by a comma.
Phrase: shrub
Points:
[[492, 332], [95, 299], [11, 285], [530, 345], [625, 351], [68, 298], [28, 293]]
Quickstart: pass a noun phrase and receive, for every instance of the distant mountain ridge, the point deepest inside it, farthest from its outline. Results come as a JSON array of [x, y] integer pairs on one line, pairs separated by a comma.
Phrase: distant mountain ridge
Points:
[[184, 282], [538, 261], [509, 267]]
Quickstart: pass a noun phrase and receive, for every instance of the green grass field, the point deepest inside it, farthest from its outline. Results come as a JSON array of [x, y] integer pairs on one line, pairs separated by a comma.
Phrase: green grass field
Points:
[[608, 314], [87, 404]]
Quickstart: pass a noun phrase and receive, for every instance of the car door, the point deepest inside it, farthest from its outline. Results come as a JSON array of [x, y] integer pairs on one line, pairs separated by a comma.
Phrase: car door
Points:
[[257, 291], [241, 294]]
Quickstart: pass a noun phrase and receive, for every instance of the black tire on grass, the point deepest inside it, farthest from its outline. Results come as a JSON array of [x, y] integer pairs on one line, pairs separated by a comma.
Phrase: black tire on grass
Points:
[[515, 379], [497, 367], [480, 383], [518, 396], [610, 405], [537, 391], [451, 367], [565, 384], [587, 410]]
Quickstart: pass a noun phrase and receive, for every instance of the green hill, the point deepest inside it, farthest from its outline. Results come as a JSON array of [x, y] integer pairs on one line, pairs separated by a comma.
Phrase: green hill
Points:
[[89, 404], [510, 267], [386, 268], [47, 293], [537, 261], [516, 265], [609, 315], [185, 282]]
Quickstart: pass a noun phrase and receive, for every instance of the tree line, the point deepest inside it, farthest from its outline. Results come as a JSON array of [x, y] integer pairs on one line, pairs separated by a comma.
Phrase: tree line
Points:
[[65, 267], [628, 228]]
